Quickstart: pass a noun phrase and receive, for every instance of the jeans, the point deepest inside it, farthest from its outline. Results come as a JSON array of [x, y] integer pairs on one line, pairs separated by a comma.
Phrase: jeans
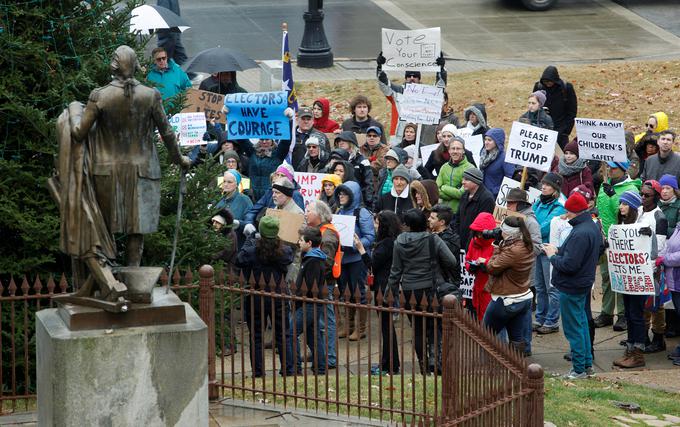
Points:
[[354, 275], [547, 296], [257, 310], [576, 330], [610, 299], [331, 330], [635, 318], [310, 320], [511, 317]]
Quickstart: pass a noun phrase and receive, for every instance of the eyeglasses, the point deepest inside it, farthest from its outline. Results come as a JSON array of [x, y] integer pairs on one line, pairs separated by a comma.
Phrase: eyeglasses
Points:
[[650, 126], [646, 195], [161, 58]]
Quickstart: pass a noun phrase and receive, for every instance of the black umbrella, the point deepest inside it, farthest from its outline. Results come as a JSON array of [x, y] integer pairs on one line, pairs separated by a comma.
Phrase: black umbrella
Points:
[[149, 18], [218, 59]]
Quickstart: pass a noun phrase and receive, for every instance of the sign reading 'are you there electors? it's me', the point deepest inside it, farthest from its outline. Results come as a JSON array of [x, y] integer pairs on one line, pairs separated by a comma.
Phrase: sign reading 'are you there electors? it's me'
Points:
[[531, 146], [257, 115]]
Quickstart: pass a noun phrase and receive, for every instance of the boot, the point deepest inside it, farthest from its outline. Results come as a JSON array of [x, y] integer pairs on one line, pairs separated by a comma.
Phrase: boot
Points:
[[345, 322], [626, 355], [658, 344], [621, 324], [360, 328], [591, 330], [603, 320], [636, 359]]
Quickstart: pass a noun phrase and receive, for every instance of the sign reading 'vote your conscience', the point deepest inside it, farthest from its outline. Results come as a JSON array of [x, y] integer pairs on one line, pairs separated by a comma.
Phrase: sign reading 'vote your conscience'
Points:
[[411, 49], [531, 146], [257, 115], [603, 140], [421, 104], [631, 270]]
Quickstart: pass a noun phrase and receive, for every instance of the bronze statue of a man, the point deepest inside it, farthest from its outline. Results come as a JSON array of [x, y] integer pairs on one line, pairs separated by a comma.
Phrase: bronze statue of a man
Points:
[[108, 171]]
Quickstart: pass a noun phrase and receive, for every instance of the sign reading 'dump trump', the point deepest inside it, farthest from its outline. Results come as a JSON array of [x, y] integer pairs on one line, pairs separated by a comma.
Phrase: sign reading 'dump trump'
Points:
[[257, 115], [531, 146], [631, 269], [411, 49], [603, 140]]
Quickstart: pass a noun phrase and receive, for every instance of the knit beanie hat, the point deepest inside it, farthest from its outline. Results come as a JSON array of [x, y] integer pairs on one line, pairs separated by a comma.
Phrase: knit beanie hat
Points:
[[498, 136], [540, 96], [285, 186], [269, 227], [474, 175], [576, 203], [631, 198], [312, 140], [669, 180], [231, 154], [236, 174], [450, 128], [572, 146], [401, 171], [553, 180], [286, 170], [585, 192], [348, 136], [220, 219], [656, 186]]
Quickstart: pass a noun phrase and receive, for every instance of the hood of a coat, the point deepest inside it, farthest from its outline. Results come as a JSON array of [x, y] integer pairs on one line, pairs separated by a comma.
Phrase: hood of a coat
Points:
[[428, 192], [480, 111], [354, 191], [498, 135], [315, 253], [661, 121], [484, 221], [413, 243], [326, 107], [551, 73]]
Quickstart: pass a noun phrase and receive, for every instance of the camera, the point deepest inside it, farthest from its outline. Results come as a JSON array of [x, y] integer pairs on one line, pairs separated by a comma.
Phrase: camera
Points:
[[495, 234]]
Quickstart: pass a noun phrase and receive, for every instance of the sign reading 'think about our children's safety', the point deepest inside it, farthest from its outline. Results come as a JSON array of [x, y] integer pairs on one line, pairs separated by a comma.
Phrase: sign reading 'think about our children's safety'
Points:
[[411, 49], [257, 115], [603, 140], [531, 146], [631, 269]]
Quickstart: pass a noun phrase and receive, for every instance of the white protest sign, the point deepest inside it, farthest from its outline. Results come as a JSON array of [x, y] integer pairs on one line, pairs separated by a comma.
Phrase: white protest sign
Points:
[[345, 226], [310, 185], [531, 146], [631, 269], [475, 143], [467, 279], [411, 49], [426, 151], [190, 127], [421, 104], [507, 185], [599, 139]]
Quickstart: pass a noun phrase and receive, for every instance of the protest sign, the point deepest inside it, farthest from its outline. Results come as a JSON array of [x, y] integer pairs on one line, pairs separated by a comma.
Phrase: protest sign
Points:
[[531, 146], [426, 151], [421, 104], [257, 115], [310, 185], [209, 103], [475, 143], [603, 140], [500, 213], [467, 279], [290, 224], [190, 127], [411, 49], [507, 185], [345, 226], [631, 269]]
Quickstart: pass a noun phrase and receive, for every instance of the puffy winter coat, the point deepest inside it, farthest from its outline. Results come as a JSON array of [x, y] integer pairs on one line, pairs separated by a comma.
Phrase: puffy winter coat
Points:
[[363, 226], [450, 182]]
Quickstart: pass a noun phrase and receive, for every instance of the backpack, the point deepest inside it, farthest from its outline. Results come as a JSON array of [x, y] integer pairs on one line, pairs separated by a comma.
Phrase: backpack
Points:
[[337, 260]]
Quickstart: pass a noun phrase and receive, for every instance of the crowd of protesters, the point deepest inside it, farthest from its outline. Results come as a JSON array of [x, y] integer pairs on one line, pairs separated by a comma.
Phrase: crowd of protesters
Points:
[[422, 223]]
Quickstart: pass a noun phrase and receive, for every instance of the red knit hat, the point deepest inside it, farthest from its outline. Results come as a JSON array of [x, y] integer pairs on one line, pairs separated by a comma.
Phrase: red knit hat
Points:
[[654, 184], [576, 203]]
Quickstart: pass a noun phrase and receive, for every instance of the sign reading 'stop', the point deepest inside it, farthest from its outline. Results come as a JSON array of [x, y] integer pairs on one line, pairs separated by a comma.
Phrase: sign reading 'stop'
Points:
[[531, 146]]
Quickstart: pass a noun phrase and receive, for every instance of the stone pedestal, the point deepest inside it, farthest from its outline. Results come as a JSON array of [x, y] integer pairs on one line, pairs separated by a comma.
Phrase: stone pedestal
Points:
[[142, 376]]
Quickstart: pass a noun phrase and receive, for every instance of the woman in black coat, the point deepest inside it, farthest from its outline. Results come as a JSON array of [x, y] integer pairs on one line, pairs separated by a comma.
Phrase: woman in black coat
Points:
[[389, 226]]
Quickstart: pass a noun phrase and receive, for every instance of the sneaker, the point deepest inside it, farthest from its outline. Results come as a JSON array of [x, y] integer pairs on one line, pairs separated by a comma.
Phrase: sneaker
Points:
[[545, 330], [603, 320], [573, 375], [590, 372], [375, 370], [620, 324], [675, 354], [535, 326]]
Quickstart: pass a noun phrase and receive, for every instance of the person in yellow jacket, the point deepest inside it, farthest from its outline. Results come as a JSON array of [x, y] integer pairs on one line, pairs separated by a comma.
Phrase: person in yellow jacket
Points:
[[657, 122]]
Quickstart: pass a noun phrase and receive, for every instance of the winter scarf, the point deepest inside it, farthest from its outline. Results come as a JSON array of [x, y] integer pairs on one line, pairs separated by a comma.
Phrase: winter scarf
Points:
[[567, 170], [487, 157]]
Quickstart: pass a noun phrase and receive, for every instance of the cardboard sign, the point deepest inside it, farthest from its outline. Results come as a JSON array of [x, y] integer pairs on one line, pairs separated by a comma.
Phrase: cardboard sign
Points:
[[603, 140], [631, 269], [209, 103], [421, 104], [190, 127], [310, 185], [475, 143], [345, 226], [290, 224], [507, 185], [411, 49], [467, 279], [500, 213], [257, 115], [531, 146]]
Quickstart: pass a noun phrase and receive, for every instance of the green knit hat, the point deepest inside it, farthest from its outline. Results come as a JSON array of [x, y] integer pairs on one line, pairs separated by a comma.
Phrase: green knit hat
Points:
[[269, 227]]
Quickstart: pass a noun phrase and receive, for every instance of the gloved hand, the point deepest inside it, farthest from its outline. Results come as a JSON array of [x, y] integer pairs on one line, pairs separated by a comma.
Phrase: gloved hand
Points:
[[608, 189], [248, 229], [380, 60], [441, 61], [383, 78], [225, 109], [646, 231], [288, 112], [236, 224], [185, 162], [659, 261]]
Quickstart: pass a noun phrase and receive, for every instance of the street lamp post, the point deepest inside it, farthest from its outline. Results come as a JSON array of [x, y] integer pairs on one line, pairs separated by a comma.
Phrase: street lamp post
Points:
[[314, 51]]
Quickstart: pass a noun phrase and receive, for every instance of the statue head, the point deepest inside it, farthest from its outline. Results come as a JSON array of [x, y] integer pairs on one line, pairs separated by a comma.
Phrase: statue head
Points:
[[124, 63]]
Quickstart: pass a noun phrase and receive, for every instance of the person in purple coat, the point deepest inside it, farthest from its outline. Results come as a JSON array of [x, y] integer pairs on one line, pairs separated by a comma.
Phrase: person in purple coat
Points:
[[670, 259]]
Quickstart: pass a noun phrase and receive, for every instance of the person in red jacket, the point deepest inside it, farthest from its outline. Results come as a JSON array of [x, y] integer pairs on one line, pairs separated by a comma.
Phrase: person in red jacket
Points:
[[321, 109], [480, 248], [573, 170]]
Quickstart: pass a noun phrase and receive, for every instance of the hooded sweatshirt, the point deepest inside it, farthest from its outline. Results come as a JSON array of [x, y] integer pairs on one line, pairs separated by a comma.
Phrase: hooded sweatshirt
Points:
[[480, 248], [363, 226], [661, 125], [411, 262], [213, 84], [312, 270], [560, 101], [496, 170], [479, 110], [324, 123], [330, 201]]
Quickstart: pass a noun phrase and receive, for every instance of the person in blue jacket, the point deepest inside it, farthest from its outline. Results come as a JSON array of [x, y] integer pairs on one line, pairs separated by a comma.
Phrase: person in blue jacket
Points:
[[492, 160], [354, 271], [573, 275], [546, 207], [166, 75], [239, 204]]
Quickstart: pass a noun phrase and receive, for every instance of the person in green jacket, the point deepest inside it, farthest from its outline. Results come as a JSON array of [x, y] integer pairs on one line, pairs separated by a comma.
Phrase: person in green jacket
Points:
[[450, 176], [608, 207]]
